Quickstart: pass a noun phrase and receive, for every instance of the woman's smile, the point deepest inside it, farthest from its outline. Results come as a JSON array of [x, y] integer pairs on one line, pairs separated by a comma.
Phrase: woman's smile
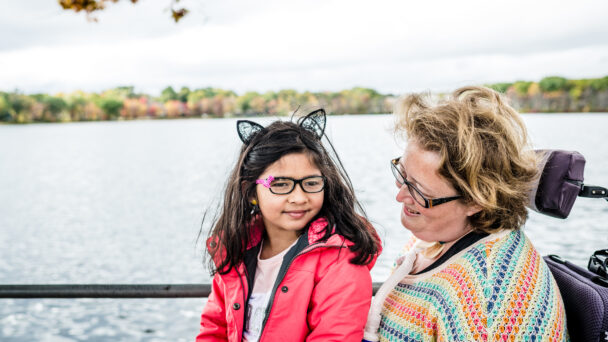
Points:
[[410, 212]]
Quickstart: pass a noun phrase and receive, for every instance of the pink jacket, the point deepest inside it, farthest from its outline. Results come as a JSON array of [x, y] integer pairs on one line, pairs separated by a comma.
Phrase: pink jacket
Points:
[[321, 296]]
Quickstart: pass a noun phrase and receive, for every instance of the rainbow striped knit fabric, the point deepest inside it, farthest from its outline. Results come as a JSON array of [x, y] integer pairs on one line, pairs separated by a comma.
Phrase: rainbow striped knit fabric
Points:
[[498, 289]]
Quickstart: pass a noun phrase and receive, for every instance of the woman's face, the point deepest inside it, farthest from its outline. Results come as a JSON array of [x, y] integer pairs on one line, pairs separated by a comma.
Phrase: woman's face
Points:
[[445, 222]]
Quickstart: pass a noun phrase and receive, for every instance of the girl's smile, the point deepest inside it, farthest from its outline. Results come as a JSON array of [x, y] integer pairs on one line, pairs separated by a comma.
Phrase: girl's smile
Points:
[[296, 214]]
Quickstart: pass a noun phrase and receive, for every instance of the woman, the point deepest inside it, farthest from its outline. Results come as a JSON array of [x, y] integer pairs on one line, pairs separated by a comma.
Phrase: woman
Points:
[[469, 273]]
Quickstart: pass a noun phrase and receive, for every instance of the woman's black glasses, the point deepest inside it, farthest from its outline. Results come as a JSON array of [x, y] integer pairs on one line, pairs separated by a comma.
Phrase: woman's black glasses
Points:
[[416, 194]]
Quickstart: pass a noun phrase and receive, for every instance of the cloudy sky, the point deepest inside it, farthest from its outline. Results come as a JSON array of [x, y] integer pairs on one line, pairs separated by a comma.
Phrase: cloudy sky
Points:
[[390, 45]]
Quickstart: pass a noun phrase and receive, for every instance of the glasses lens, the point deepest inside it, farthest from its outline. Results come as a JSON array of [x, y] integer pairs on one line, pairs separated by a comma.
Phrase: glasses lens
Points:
[[400, 181], [397, 174], [416, 195], [281, 186], [313, 184]]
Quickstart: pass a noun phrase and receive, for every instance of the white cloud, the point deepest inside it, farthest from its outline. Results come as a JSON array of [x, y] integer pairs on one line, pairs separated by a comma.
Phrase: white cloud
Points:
[[393, 46]]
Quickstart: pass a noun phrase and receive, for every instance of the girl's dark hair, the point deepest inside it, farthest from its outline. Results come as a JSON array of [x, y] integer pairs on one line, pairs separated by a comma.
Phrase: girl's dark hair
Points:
[[230, 234]]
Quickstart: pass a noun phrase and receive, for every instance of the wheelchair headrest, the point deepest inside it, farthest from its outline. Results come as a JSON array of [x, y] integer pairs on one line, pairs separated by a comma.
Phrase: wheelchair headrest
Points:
[[560, 183]]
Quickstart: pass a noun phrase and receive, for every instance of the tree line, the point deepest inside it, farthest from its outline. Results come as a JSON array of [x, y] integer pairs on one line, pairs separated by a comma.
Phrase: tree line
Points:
[[125, 103], [551, 94], [557, 94]]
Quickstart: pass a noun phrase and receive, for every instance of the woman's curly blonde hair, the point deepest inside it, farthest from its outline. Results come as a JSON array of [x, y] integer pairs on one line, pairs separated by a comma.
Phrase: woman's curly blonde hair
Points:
[[484, 150]]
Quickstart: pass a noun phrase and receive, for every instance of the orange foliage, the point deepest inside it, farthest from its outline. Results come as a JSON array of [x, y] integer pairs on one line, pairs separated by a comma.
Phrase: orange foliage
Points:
[[134, 108], [90, 6]]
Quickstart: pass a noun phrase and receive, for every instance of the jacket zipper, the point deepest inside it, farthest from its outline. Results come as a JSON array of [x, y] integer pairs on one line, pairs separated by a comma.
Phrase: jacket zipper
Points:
[[278, 281]]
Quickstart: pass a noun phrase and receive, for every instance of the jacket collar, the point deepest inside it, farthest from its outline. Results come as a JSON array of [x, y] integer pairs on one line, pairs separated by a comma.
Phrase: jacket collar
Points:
[[316, 231]]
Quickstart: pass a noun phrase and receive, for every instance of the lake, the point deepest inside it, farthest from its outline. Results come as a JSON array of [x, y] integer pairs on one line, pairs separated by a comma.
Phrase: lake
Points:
[[122, 202]]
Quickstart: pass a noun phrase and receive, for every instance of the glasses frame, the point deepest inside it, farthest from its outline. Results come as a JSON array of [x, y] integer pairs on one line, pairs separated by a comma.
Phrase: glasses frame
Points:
[[298, 182], [428, 202]]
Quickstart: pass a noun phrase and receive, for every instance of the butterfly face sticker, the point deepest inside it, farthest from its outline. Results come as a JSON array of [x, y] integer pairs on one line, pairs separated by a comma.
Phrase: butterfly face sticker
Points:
[[265, 182]]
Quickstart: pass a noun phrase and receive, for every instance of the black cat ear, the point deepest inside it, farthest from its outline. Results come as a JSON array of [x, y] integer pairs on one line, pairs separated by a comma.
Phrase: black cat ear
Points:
[[247, 129], [314, 122]]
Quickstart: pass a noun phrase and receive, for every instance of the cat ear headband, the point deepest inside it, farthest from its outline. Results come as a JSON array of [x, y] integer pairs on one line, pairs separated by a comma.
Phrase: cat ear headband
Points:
[[313, 122]]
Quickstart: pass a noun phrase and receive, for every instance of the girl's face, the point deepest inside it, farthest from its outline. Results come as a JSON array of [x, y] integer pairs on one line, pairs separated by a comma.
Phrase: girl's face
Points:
[[446, 222], [289, 213]]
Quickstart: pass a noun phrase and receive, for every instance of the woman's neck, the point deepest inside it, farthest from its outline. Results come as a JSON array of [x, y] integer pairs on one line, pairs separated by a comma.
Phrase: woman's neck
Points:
[[423, 262]]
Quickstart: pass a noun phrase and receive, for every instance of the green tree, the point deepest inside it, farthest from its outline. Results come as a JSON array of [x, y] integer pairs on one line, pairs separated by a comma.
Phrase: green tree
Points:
[[553, 83], [19, 106], [5, 114], [270, 95], [168, 94], [522, 87], [126, 92], [55, 104], [244, 101], [599, 84], [77, 103], [198, 94], [225, 93], [500, 87], [577, 87], [120, 93], [183, 94], [110, 106]]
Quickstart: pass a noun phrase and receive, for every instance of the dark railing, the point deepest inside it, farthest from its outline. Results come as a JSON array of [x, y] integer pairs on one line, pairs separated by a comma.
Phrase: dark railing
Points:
[[111, 291], [105, 291]]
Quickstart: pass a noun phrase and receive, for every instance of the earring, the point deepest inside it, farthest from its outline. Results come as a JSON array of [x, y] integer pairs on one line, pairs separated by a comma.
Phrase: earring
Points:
[[255, 209]]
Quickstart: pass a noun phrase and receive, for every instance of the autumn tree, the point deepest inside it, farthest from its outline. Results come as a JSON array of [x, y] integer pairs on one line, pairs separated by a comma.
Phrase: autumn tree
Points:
[[91, 6], [54, 106], [244, 101], [76, 103]]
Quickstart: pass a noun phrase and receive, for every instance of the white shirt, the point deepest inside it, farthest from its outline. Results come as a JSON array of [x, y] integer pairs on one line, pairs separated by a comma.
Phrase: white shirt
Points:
[[266, 274]]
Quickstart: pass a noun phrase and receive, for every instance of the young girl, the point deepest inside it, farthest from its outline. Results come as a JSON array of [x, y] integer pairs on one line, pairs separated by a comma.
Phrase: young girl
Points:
[[289, 253]]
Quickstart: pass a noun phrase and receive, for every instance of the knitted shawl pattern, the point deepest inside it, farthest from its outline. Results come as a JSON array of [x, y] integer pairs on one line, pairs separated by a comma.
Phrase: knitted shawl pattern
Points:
[[498, 289]]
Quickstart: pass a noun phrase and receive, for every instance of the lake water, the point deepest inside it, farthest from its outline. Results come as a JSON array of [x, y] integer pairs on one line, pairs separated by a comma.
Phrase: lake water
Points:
[[122, 202]]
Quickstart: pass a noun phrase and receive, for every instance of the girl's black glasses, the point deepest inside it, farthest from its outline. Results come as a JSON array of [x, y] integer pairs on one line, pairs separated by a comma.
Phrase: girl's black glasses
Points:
[[416, 194], [285, 185]]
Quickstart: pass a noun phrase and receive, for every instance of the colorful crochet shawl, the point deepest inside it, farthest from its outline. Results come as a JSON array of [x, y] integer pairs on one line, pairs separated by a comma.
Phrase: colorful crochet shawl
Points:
[[498, 289]]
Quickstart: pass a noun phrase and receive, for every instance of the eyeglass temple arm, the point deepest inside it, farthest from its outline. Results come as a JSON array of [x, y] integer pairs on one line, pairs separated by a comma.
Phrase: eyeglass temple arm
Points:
[[438, 201]]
